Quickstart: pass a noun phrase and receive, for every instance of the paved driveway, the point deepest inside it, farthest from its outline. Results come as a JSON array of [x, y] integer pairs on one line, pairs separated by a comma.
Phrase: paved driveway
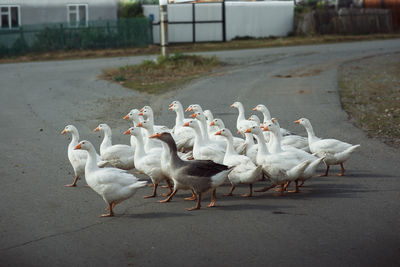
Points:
[[347, 221]]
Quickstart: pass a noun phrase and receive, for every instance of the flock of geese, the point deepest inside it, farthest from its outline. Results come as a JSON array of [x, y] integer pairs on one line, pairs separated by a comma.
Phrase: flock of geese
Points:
[[199, 154]]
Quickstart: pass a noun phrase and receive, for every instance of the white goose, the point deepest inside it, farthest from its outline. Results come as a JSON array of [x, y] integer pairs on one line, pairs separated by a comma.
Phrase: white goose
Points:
[[113, 184], [257, 120], [301, 155], [238, 143], [280, 168], [199, 116], [267, 117], [183, 135], [77, 158], [334, 151], [244, 171], [242, 123], [147, 113], [293, 140], [133, 115], [149, 144], [119, 156], [148, 162], [203, 150]]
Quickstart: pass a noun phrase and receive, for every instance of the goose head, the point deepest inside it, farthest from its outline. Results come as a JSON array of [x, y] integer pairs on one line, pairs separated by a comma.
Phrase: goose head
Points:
[[270, 126], [146, 112], [192, 124], [254, 130], [164, 136], [217, 122], [224, 132], [135, 131], [260, 107], [148, 125], [84, 145], [69, 129], [237, 105], [194, 108], [133, 115], [255, 118], [175, 105], [103, 128], [303, 121], [199, 116]]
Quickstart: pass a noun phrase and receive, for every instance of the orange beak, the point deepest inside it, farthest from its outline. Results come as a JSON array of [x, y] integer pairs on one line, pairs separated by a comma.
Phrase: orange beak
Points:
[[126, 117], [194, 115], [255, 108], [212, 123], [141, 113], [170, 106], [298, 121], [261, 125], [248, 130], [140, 124], [239, 132], [273, 120], [157, 135], [186, 124], [266, 128], [218, 133], [188, 109], [64, 132], [232, 106], [141, 110], [78, 146], [96, 129], [127, 132]]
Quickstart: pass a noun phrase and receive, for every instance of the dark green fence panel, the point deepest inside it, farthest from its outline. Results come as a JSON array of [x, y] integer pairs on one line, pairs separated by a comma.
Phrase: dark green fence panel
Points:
[[121, 33]]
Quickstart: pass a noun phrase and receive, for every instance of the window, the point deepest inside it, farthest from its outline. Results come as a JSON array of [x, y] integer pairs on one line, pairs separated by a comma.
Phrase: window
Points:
[[9, 17], [77, 15]]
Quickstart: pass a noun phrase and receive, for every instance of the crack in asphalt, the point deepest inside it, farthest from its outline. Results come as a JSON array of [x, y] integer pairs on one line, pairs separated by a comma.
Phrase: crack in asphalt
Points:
[[50, 236]]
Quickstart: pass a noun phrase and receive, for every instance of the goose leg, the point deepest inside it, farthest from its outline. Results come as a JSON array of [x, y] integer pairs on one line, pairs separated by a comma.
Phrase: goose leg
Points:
[[282, 190], [326, 172], [212, 203], [112, 206], [170, 197], [193, 197], [111, 213], [230, 192], [265, 188], [302, 183], [154, 192], [74, 183], [297, 187], [250, 192], [169, 187], [342, 171], [198, 205]]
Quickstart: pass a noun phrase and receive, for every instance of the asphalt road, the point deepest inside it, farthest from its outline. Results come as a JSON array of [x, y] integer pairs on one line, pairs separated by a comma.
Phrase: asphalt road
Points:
[[334, 221]]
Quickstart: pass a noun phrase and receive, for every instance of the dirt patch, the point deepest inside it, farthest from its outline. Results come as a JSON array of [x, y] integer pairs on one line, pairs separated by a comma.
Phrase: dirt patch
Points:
[[370, 93]]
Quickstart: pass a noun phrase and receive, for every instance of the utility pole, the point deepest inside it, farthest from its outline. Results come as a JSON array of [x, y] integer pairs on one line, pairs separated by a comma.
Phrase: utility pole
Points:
[[164, 27]]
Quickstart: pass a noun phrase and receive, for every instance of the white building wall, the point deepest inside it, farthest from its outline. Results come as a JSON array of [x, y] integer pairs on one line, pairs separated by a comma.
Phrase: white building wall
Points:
[[254, 19]]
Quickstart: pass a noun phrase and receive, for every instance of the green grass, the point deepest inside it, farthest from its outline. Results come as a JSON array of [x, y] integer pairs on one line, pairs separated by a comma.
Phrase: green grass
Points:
[[167, 73]]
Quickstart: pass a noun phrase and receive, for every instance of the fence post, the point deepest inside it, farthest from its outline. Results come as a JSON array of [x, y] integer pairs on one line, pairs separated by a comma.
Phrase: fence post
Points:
[[21, 33], [223, 22], [194, 22], [107, 35], [62, 36]]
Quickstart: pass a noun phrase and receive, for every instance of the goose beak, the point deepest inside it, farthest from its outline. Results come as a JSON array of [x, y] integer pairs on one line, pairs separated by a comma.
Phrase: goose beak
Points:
[[141, 110], [170, 106], [273, 120], [194, 115], [218, 133], [96, 129], [298, 121], [140, 124], [64, 132], [127, 132], [239, 132], [255, 108], [248, 130], [79, 146], [188, 109], [141, 113], [186, 124], [265, 128], [212, 123], [232, 106], [157, 135], [126, 117]]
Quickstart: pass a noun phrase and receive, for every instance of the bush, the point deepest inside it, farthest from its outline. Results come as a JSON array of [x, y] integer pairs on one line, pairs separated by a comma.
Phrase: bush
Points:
[[131, 10]]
